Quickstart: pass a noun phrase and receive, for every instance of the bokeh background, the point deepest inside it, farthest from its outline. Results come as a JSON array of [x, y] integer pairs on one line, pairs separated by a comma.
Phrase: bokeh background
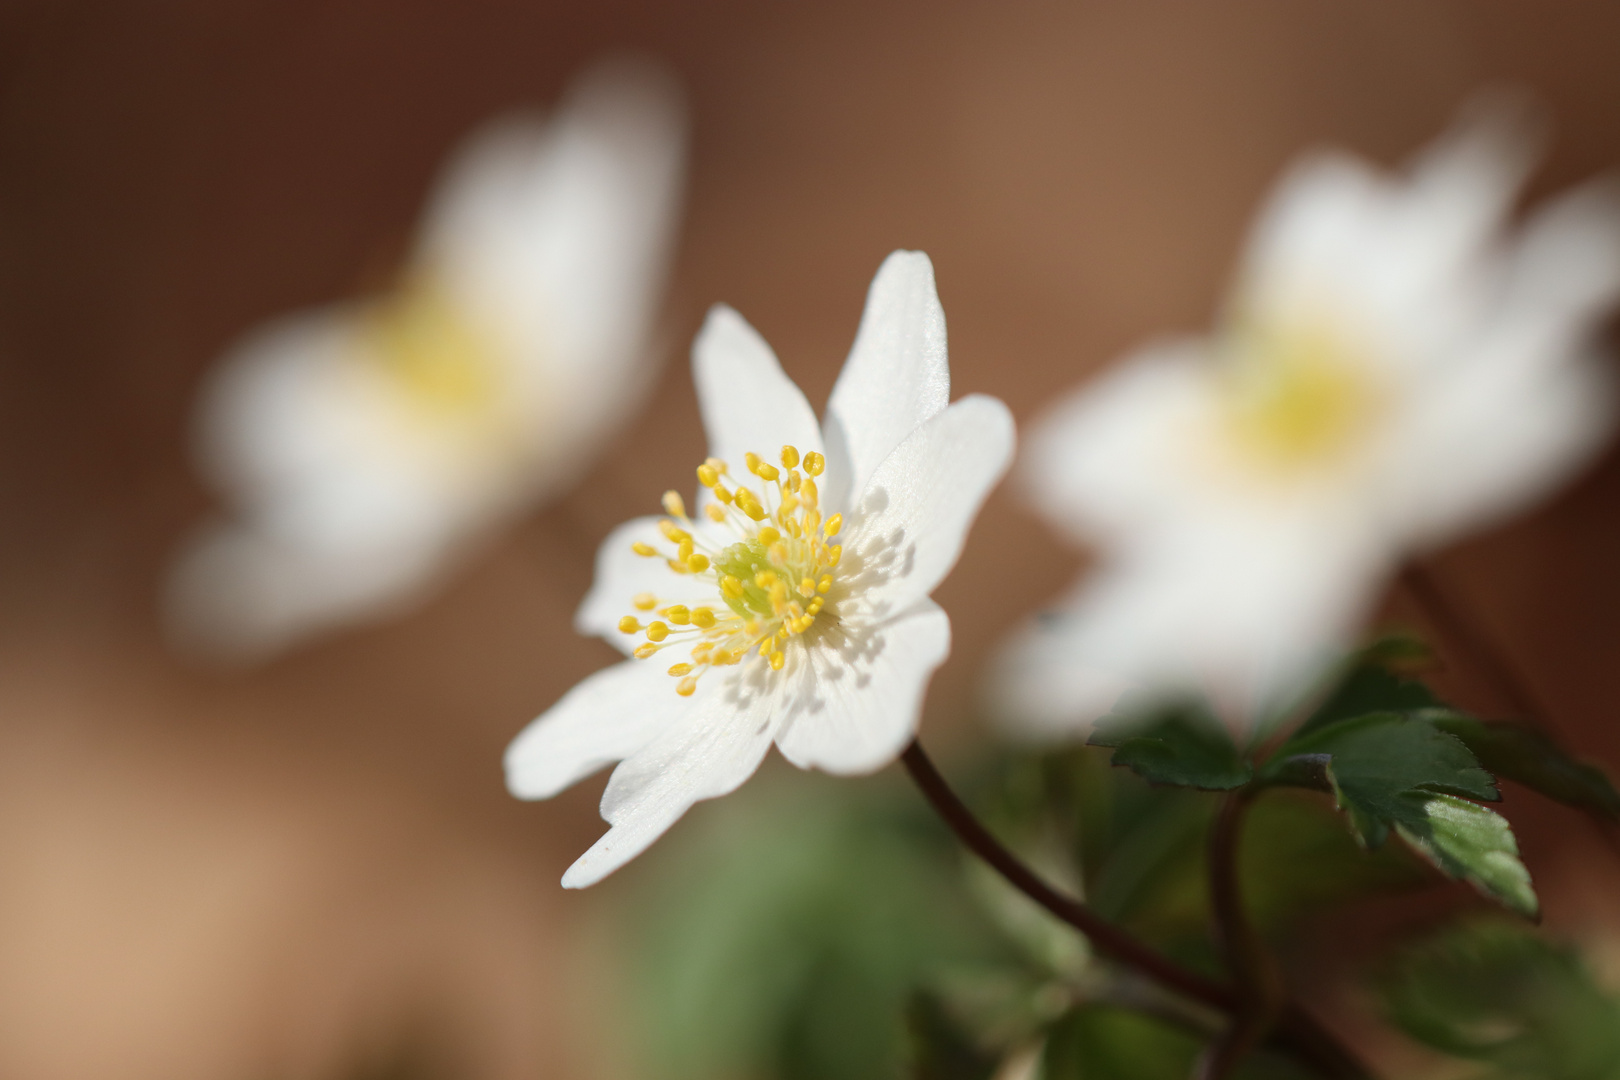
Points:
[[313, 870]]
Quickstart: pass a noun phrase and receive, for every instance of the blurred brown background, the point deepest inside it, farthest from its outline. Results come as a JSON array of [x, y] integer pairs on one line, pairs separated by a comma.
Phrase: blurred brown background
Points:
[[315, 868]]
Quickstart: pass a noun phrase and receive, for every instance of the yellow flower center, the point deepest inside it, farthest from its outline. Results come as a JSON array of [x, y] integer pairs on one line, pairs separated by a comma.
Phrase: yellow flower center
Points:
[[1298, 392], [770, 583], [442, 362]]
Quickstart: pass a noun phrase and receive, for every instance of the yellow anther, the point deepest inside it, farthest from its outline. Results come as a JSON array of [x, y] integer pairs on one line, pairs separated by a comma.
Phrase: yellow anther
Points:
[[686, 686], [807, 587], [790, 457], [731, 587], [677, 566], [766, 646], [673, 532], [794, 480], [766, 472], [679, 614], [644, 651], [778, 658], [834, 523], [814, 608], [751, 627], [717, 465], [779, 553], [657, 632], [707, 475], [751, 460], [768, 536], [703, 618], [644, 601], [629, 625], [778, 591], [835, 553], [680, 669], [808, 493], [716, 514], [753, 509], [643, 549], [814, 463], [697, 563], [812, 522], [683, 553], [765, 579], [824, 584], [724, 495], [673, 506]]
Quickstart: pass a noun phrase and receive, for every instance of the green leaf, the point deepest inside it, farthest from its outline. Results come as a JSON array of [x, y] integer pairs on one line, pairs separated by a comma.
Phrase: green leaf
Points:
[[1369, 688], [1372, 762], [1400, 771], [1180, 745], [1472, 843], [1501, 995], [1528, 757]]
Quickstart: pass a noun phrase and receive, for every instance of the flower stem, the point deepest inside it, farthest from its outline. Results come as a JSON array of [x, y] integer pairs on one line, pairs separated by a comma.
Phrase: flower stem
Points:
[[1295, 1032], [1258, 985]]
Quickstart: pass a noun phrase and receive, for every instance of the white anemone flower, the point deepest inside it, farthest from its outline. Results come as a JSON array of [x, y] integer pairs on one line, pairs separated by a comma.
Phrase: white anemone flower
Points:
[[364, 448], [1394, 368], [793, 605]]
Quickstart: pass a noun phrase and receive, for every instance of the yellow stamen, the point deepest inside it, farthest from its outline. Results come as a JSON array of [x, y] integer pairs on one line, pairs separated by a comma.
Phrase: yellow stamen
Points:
[[814, 463], [673, 506], [643, 549], [686, 686], [679, 614], [790, 457], [645, 601], [680, 669], [657, 632], [629, 625], [697, 563], [644, 651], [834, 523]]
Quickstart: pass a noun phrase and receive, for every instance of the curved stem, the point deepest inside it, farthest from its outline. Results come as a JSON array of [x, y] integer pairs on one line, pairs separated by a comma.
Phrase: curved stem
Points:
[[1296, 1032], [1258, 988]]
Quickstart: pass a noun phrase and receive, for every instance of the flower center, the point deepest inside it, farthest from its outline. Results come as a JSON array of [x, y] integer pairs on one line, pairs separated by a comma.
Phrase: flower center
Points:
[[1298, 392], [437, 357], [770, 583]]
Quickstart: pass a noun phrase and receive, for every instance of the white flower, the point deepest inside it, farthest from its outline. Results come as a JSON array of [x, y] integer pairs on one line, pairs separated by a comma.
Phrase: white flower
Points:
[[793, 606], [1393, 369], [364, 447]]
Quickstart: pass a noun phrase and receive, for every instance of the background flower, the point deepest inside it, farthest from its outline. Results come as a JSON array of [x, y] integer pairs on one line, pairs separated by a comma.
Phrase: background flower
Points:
[[363, 448], [1392, 369]]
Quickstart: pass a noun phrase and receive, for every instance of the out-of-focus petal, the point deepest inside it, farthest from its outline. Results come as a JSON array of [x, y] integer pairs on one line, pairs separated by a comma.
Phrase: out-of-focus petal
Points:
[[605, 719], [709, 752], [897, 375], [852, 708], [915, 513], [1040, 689]]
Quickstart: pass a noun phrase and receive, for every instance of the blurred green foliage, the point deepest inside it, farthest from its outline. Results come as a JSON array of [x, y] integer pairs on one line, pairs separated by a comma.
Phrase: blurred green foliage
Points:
[[1505, 997]]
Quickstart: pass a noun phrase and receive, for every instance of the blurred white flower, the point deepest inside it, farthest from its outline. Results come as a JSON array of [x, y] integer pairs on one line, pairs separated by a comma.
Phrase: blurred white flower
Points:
[[1394, 368], [364, 447], [794, 603]]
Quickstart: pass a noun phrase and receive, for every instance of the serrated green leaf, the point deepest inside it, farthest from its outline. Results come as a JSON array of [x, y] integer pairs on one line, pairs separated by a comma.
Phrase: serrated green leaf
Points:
[[1501, 995], [1401, 771], [1179, 745], [1371, 762], [1528, 757], [1472, 843]]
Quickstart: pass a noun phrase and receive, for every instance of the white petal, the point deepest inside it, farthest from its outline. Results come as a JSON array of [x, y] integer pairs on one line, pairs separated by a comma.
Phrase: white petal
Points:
[[915, 513], [621, 574], [897, 375], [711, 750], [1113, 455], [555, 236], [748, 402], [1039, 689], [853, 700], [606, 718], [238, 595]]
